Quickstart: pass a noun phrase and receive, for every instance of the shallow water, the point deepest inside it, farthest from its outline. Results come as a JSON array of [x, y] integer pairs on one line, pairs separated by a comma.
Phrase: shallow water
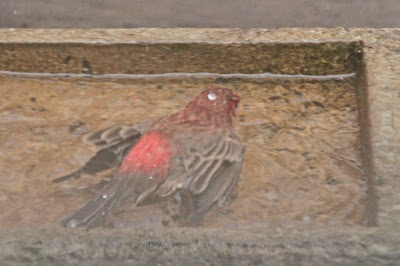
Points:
[[302, 165]]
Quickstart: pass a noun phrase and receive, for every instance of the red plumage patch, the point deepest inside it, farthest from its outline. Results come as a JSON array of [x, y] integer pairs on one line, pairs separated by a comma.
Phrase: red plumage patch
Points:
[[150, 156]]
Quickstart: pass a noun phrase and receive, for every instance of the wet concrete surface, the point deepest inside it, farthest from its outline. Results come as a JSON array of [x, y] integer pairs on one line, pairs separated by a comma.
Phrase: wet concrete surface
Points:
[[302, 167], [190, 13]]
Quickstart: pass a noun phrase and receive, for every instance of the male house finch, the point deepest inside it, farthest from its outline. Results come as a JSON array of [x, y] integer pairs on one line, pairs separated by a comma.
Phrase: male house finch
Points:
[[194, 152]]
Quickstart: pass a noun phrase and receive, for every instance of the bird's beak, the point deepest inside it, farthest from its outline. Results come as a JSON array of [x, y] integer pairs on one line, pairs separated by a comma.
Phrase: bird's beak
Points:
[[236, 100]]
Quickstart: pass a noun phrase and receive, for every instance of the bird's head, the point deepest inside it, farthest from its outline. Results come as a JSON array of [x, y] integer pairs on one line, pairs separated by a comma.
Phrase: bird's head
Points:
[[216, 105], [218, 99]]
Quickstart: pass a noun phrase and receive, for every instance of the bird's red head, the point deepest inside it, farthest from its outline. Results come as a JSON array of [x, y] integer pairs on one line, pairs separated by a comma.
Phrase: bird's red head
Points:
[[217, 98], [214, 105]]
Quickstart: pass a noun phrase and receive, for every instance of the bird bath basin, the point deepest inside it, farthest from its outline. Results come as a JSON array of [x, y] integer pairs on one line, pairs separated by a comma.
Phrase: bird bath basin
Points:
[[303, 117], [303, 163]]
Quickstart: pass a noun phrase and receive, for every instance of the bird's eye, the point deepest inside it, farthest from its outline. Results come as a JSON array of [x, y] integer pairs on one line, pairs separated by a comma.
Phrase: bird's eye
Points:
[[211, 96]]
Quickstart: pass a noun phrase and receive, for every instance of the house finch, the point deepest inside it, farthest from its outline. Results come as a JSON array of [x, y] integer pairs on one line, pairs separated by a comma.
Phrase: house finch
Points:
[[194, 152]]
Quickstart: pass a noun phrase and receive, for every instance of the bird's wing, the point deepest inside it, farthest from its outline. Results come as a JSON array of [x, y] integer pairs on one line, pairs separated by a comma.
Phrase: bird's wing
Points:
[[122, 190], [209, 170], [113, 144]]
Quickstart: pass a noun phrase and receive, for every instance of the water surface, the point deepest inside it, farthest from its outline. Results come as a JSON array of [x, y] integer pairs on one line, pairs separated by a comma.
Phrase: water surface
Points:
[[302, 165]]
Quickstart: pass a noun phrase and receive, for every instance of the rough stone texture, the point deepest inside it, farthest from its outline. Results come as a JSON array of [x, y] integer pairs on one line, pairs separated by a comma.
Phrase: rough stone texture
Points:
[[145, 58], [349, 246], [362, 245]]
